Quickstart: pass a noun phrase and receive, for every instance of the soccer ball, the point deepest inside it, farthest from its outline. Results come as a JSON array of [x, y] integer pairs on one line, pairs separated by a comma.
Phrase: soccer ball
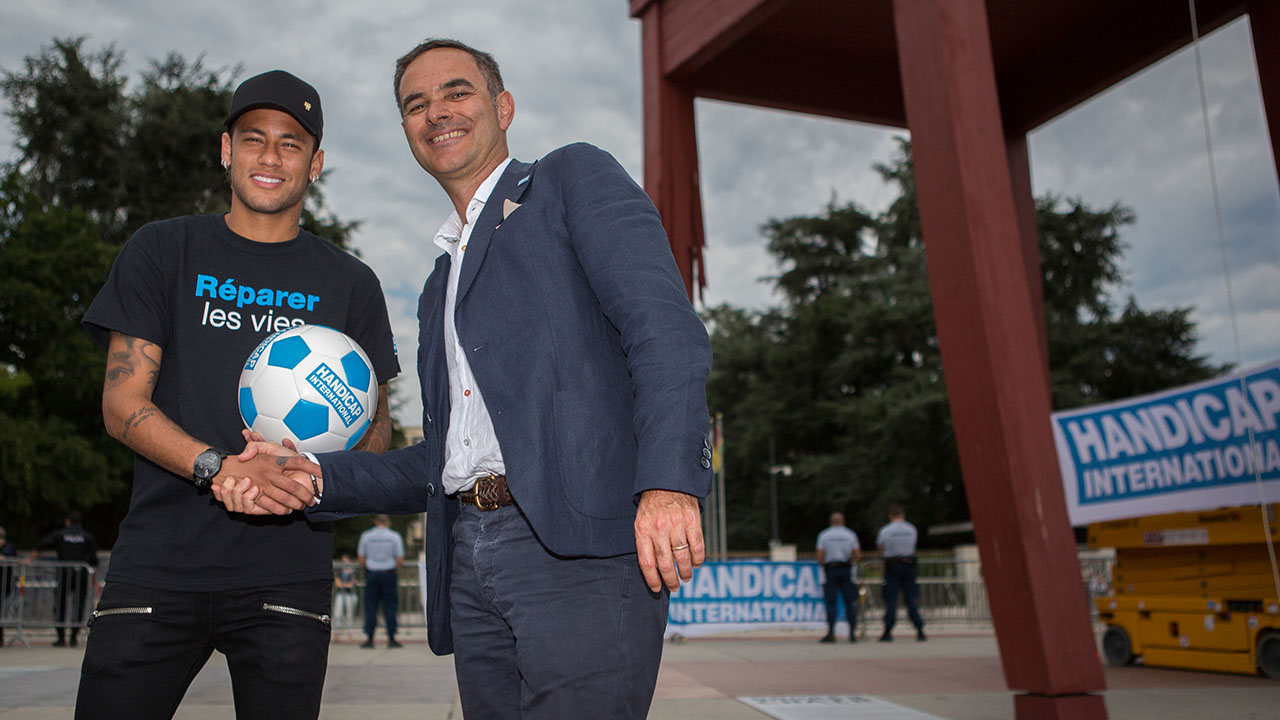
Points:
[[311, 384]]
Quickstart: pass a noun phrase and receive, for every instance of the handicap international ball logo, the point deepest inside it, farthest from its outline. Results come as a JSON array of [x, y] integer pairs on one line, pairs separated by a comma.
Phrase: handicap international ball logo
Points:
[[311, 384]]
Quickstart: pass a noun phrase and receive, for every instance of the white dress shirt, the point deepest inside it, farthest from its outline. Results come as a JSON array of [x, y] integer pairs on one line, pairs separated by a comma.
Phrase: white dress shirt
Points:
[[471, 447]]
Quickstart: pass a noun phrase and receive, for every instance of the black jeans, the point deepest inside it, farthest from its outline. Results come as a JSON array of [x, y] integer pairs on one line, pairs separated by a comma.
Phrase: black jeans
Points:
[[147, 645]]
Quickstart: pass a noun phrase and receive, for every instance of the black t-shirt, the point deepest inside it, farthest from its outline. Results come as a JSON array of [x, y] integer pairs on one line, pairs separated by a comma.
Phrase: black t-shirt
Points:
[[207, 297]]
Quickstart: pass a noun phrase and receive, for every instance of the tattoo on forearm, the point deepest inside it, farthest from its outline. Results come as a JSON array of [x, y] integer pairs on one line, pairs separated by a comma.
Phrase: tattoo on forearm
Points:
[[139, 416], [123, 364]]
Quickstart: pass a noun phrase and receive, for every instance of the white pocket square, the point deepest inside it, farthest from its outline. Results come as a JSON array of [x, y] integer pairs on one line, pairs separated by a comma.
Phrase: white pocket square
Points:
[[508, 207]]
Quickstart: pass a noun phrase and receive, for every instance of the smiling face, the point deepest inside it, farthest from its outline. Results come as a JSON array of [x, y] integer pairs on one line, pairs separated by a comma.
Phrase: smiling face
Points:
[[455, 127], [270, 161]]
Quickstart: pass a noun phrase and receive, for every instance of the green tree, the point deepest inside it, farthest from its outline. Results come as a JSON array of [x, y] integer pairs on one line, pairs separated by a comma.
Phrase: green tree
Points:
[[847, 376], [95, 159], [71, 115], [53, 452]]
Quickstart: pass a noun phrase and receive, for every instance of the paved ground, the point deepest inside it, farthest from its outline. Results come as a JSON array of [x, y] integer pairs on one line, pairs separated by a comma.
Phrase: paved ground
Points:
[[953, 675]]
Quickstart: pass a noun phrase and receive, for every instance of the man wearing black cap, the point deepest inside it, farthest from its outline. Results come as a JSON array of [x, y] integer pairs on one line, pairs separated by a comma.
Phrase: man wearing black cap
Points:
[[185, 303]]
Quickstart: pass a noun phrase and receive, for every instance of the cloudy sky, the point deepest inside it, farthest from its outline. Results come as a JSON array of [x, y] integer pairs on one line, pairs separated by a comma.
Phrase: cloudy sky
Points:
[[574, 68]]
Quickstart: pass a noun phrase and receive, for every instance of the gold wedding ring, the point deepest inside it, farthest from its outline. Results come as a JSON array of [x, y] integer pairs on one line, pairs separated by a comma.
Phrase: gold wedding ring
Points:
[[680, 547]]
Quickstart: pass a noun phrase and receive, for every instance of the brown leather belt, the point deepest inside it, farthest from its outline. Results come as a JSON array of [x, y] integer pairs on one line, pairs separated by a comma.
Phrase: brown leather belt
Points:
[[489, 493]]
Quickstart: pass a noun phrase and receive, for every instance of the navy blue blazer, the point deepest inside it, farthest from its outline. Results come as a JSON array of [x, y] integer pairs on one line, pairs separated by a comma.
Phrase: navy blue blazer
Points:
[[592, 362]]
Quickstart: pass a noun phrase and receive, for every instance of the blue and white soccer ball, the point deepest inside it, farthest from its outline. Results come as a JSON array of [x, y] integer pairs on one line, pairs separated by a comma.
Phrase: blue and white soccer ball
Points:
[[311, 384]]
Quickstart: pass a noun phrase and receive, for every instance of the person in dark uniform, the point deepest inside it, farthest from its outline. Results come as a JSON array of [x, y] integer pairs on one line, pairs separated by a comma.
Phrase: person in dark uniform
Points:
[[72, 543], [7, 552]]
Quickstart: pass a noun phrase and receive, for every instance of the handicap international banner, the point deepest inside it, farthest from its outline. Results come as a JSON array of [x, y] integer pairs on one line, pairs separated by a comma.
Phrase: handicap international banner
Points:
[[749, 595], [1195, 447]]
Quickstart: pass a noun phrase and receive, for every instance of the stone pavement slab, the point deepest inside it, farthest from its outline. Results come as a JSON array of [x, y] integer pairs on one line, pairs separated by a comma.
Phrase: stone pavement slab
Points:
[[956, 676]]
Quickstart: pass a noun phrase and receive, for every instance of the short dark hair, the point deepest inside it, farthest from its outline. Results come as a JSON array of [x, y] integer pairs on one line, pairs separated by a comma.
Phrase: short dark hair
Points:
[[488, 66], [895, 511]]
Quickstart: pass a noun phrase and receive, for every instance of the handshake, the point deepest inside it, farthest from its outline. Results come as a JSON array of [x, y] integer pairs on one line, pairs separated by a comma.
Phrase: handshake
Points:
[[267, 479]]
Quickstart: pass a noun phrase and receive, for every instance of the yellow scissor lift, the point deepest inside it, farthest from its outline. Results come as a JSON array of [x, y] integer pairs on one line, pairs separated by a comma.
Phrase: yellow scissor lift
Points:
[[1192, 590]]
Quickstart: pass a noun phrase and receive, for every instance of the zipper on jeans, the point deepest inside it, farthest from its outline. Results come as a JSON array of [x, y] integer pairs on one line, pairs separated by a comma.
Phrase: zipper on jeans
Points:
[[295, 611], [141, 610]]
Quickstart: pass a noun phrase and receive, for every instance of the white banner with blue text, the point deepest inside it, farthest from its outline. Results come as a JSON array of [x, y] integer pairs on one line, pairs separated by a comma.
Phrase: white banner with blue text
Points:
[[749, 595], [1196, 447]]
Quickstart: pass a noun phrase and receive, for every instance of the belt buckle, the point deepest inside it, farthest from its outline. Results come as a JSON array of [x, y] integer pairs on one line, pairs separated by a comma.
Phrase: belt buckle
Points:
[[479, 501]]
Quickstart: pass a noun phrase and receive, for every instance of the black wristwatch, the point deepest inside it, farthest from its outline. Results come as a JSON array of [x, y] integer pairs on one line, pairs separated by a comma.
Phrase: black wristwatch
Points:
[[207, 465]]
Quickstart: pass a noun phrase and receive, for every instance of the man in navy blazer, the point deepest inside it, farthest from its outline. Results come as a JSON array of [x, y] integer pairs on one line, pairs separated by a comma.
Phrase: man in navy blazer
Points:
[[563, 376]]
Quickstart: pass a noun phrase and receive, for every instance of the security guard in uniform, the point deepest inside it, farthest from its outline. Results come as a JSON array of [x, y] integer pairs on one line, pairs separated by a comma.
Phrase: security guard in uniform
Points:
[[897, 543], [838, 549]]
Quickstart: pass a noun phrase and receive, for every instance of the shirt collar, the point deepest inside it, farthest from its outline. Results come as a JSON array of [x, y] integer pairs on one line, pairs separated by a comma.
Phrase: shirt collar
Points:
[[451, 231]]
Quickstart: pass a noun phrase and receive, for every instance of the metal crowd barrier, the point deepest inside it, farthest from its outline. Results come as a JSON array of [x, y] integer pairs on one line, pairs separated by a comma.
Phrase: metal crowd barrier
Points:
[[51, 594], [10, 601], [952, 591], [409, 613], [45, 594]]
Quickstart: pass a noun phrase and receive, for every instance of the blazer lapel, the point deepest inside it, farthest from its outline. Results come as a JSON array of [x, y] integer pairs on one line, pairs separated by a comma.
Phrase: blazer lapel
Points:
[[511, 186]]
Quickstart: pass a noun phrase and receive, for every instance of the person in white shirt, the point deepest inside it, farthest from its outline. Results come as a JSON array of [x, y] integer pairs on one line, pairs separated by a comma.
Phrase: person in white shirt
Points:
[[381, 552], [565, 450]]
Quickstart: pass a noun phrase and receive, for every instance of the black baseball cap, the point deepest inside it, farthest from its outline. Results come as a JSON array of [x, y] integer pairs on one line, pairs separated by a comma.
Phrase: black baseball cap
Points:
[[283, 91]]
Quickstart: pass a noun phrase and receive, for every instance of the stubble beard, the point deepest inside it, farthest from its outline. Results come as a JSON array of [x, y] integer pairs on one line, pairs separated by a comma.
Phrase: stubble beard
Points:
[[243, 189]]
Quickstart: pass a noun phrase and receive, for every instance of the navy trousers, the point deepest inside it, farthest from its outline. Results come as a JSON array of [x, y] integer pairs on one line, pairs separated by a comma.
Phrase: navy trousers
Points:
[[537, 635], [900, 575], [839, 584], [380, 589], [147, 645]]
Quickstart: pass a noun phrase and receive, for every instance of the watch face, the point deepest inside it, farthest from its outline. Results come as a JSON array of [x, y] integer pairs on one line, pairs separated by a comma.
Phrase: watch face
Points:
[[207, 464]]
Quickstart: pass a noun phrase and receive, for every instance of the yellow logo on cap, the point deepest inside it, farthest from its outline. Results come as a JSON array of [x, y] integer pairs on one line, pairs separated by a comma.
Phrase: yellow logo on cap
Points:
[[306, 104]]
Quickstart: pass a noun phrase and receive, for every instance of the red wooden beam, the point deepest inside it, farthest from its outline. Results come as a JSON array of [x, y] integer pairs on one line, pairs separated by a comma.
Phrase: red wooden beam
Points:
[[671, 153], [1069, 68], [806, 81], [696, 31], [1264, 23], [1024, 203], [996, 379]]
